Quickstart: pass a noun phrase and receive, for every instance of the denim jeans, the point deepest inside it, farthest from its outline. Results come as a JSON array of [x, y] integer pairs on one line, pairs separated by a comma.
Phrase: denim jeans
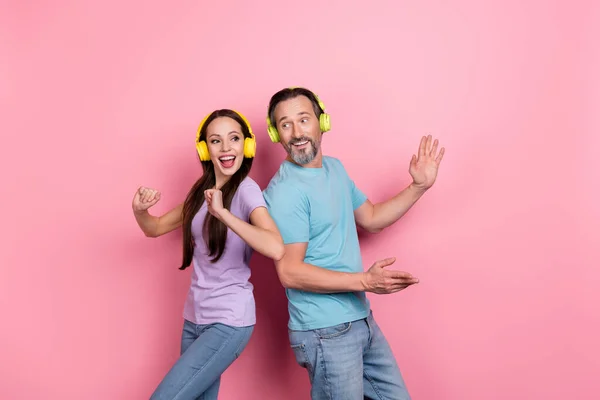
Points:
[[350, 361], [206, 352]]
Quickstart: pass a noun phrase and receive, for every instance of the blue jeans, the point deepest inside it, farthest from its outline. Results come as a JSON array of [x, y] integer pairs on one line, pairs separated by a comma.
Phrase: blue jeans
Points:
[[350, 361], [206, 352]]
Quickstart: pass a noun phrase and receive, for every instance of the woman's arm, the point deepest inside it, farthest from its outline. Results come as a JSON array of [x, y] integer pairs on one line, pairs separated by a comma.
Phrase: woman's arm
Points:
[[261, 233], [151, 225]]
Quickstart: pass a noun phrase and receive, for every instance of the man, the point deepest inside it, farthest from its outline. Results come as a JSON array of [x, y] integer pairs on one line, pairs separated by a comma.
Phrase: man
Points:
[[317, 207]]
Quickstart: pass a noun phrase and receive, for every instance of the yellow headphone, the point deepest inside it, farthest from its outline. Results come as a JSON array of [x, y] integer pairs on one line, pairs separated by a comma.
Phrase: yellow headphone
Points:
[[324, 121], [249, 142]]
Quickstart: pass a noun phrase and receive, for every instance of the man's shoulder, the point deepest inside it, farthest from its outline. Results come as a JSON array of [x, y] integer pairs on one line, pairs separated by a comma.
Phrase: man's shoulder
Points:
[[334, 164], [331, 160], [279, 185], [279, 178]]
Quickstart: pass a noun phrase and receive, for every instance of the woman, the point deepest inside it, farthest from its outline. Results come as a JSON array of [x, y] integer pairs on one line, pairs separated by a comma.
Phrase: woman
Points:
[[224, 218]]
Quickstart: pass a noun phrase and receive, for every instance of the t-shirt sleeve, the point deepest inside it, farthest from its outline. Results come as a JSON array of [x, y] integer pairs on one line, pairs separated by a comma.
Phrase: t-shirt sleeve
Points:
[[357, 195], [290, 211], [252, 198]]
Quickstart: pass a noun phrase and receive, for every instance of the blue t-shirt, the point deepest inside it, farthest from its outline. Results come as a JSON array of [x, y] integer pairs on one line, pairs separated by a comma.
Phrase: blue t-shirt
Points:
[[316, 205]]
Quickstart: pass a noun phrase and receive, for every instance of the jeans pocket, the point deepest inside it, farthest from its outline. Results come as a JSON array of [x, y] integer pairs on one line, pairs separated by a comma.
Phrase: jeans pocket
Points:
[[302, 357], [333, 331]]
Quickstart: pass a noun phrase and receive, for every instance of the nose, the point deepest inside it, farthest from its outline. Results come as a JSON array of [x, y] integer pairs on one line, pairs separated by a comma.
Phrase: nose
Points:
[[296, 131], [225, 146]]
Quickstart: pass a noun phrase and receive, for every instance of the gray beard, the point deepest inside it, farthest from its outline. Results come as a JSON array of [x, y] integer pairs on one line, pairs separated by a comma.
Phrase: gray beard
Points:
[[303, 157]]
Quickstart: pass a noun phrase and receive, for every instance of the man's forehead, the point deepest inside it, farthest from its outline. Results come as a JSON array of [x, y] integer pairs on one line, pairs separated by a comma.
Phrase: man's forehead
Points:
[[295, 106]]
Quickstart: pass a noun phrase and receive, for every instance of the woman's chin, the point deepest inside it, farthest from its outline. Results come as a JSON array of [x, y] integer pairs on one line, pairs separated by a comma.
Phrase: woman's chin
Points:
[[229, 172]]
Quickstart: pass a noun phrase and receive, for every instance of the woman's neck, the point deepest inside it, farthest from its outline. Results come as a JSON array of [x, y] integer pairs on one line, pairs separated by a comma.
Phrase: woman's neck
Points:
[[220, 180]]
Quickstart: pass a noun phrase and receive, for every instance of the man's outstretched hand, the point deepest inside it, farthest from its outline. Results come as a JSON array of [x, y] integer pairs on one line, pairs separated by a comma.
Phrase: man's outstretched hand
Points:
[[383, 281], [424, 165]]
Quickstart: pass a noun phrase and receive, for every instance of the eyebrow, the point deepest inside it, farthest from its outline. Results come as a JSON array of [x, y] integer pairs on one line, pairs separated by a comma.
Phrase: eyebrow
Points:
[[216, 134], [300, 113]]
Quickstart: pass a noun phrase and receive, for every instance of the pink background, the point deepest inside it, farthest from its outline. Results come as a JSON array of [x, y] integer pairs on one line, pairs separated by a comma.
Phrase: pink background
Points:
[[97, 99]]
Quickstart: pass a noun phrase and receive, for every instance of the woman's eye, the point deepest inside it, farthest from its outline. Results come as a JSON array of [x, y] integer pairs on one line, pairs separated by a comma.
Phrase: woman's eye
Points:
[[214, 141]]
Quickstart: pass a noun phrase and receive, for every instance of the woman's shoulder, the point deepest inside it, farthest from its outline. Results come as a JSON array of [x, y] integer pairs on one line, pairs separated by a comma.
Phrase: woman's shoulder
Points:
[[248, 196], [249, 183], [247, 190]]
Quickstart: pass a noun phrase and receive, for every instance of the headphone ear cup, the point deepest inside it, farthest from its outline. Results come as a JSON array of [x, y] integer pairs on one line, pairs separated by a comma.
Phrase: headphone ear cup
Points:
[[249, 147], [273, 134], [202, 149], [325, 122]]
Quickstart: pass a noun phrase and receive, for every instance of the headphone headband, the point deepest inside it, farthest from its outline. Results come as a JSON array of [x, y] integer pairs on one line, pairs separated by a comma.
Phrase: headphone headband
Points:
[[319, 102], [237, 112]]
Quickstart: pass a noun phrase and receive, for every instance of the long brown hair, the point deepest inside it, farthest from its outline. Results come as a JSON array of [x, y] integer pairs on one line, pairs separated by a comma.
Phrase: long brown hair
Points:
[[213, 230]]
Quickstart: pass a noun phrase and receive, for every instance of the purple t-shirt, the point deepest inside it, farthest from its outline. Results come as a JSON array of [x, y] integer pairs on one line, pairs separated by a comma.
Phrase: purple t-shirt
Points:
[[221, 291]]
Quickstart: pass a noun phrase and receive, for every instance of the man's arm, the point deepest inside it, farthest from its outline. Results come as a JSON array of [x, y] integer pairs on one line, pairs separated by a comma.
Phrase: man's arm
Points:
[[423, 169], [294, 273], [376, 217]]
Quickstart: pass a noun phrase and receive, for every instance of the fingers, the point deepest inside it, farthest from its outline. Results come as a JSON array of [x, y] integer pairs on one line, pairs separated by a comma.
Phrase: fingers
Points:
[[212, 193], [413, 161], [400, 278], [145, 198], [152, 196], [391, 286], [208, 196], [147, 195], [144, 195], [398, 274], [428, 147], [422, 146], [428, 144], [141, 191], [402, 283], [406, 281], [434, 148], [155, 200], [397, 288], [385, 262], [440, 156]]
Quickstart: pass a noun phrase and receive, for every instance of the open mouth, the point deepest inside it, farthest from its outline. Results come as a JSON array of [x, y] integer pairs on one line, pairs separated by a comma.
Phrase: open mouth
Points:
[[300, 144], [227, 161]]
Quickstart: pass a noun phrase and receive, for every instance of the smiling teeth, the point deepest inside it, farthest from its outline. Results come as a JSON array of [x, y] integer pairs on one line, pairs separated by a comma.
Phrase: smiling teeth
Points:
[[301, 143], [227, 158]]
